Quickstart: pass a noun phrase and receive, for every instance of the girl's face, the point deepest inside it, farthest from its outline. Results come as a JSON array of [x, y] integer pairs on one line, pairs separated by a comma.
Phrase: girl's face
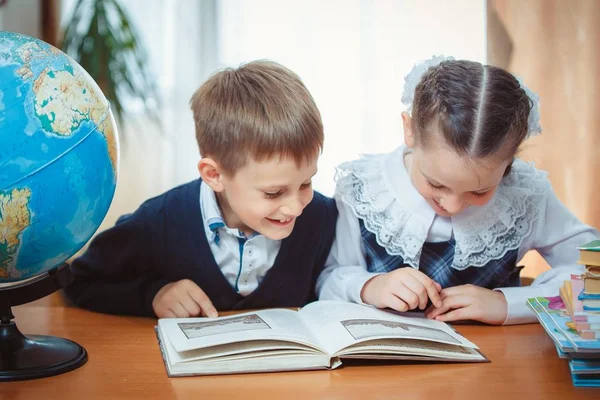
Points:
[[448, 181]]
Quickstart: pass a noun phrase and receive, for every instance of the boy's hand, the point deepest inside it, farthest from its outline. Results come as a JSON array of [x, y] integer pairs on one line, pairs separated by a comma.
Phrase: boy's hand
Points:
[[182, 299], [402, 289], [470, 302]]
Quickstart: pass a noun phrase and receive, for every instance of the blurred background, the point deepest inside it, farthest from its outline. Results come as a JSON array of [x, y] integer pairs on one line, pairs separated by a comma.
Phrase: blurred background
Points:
[[149, 56]]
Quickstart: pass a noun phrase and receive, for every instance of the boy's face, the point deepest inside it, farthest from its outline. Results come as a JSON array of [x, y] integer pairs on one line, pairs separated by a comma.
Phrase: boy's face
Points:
[[266, 196]]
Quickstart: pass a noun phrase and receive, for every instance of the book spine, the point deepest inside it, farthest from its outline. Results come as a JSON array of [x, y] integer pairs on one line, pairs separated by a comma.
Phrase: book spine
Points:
[[587, 326], [586, 296]]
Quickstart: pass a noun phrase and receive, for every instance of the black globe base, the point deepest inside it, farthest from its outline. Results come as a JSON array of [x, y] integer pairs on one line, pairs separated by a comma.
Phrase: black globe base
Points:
[[34, 356]]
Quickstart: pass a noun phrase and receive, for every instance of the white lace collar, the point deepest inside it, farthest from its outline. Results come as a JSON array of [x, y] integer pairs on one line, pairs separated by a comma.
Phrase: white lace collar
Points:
[[379, 191]]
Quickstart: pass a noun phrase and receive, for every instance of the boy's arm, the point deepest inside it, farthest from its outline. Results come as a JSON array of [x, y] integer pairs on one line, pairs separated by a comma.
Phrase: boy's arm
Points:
[[345, 270], [116, 274], [556, 235]]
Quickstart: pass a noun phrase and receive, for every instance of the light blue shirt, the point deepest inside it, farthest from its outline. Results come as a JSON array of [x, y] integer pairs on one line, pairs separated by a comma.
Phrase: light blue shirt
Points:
[[244, 261]]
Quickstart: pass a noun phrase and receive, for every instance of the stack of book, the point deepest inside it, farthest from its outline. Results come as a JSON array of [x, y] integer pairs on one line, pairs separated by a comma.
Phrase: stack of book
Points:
[[572, 319], [589, 255]]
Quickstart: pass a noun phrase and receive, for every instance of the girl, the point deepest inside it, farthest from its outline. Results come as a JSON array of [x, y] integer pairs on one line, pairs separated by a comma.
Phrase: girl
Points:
[[446, 216]]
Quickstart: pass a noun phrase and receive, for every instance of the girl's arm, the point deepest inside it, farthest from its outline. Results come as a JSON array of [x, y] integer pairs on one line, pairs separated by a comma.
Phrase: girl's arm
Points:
[[345, 270], [556, 234]]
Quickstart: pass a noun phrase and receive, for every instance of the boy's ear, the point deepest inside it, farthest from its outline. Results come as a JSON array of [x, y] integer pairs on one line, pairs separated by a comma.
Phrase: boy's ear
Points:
[[211, 173], [409, 137]]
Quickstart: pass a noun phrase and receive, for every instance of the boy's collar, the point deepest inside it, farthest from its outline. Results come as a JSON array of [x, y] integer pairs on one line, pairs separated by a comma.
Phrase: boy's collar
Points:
[[209, 206], [213, 218]]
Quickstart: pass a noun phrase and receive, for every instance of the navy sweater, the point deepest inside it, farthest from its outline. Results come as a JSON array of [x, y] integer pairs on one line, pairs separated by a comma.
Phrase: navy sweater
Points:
[[164, 241]]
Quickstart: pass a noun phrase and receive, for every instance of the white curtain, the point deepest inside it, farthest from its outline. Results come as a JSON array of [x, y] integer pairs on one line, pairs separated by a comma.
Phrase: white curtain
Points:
[[351, 54], [180, 38]]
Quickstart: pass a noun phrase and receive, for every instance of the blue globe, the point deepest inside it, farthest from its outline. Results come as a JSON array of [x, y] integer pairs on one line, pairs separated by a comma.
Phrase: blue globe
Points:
[[58, 157]]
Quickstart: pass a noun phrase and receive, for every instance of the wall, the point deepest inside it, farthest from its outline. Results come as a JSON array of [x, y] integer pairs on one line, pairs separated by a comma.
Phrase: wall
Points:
[[554, 46], [21, 16]]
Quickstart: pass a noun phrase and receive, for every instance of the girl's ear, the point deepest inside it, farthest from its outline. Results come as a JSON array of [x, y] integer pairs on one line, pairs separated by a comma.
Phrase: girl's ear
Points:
[[409, 137], [211, 173]]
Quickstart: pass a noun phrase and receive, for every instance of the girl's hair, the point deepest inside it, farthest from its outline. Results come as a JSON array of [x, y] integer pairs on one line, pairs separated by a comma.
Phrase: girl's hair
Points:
[[480, 110]]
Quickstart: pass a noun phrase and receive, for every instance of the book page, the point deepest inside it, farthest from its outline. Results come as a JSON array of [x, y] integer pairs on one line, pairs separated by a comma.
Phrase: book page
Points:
[[241, 350], [187, 334], [394, 348], [340, 324], [259, 360]]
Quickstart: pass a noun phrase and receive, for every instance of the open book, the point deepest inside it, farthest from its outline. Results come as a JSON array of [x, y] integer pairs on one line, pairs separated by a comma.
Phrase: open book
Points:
[[316, 337]]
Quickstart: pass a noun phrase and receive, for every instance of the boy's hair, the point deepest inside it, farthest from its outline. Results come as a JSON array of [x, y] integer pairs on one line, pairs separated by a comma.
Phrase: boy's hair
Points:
[[480, 110], [255, 112]]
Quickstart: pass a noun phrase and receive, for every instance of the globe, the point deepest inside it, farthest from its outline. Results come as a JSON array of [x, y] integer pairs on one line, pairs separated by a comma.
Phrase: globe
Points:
[[58, 157]]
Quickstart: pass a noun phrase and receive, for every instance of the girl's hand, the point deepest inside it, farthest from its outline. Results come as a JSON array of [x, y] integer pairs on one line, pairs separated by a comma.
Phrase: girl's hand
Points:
[[182, 299], [470, 302], [402, 289]]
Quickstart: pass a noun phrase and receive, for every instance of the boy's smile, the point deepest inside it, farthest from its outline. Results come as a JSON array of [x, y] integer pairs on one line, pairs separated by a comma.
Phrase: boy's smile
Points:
[[281, 222], [266, 196]]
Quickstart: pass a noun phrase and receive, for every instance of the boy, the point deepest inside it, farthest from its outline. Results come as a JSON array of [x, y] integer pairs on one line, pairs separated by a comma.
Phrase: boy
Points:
[[249, 234]]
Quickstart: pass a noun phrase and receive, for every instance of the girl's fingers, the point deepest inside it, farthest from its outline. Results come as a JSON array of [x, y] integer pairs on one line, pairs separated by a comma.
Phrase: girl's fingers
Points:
[[450, 302], [452, 291], [395, 303], [415, 285], [460, 314], [407, 295], [432, 289], [434, 311], [457, 301]]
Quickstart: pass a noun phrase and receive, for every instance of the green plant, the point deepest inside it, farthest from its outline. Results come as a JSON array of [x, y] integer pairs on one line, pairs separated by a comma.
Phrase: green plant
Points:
[[101, 38]]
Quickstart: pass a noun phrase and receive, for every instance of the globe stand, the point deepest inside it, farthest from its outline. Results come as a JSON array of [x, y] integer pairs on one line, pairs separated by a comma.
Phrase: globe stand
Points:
[[35, 356]]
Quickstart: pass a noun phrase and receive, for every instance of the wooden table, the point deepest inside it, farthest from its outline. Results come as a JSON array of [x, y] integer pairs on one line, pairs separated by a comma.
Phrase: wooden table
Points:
[[124, 362]]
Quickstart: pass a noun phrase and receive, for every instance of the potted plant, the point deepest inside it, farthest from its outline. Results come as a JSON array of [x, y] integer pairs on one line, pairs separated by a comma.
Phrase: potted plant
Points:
[[101, 38]]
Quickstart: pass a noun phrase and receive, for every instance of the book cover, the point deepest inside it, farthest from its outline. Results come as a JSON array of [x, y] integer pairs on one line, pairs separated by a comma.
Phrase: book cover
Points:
[[594, 245], [589, 253], [561, 354], [583, 328], [591, 302], [564, 347], [588, 296], [552, 314], [585, 373], [585, 380], [583, 366], [573, 288], [591, 285]]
